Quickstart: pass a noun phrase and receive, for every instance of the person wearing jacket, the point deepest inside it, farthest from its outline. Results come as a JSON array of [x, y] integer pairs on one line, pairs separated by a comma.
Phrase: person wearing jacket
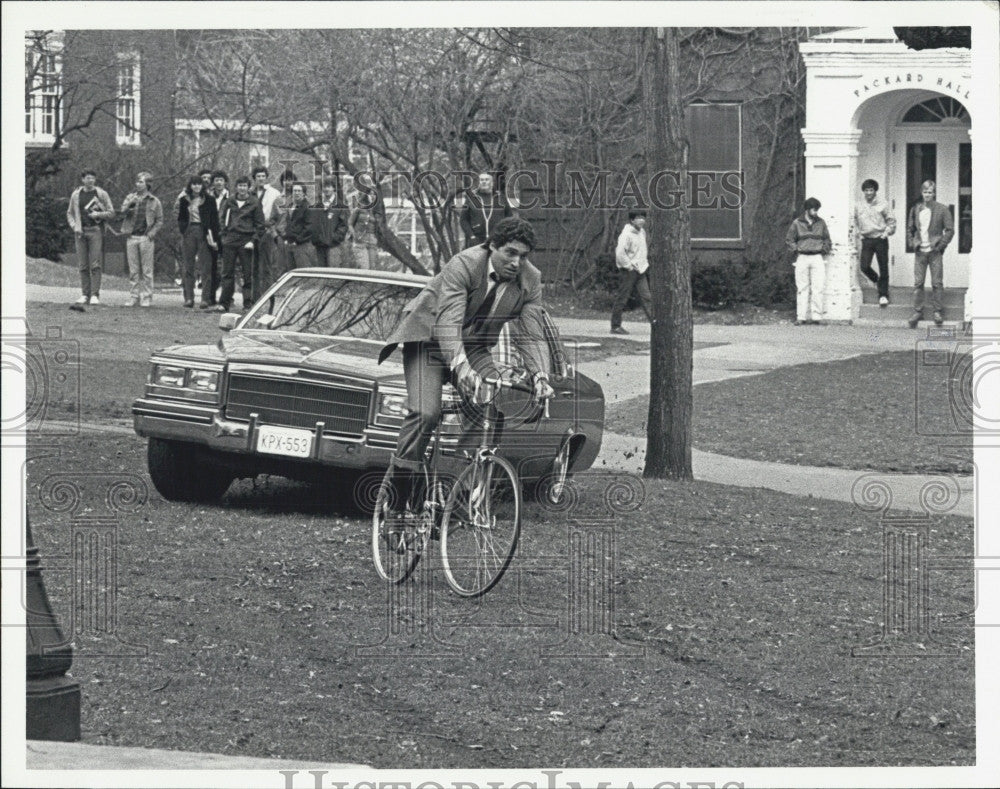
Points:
[[265, 257], [483, 209], [447, 330], [89, 206], [298, 237], [198, 222], [632, 259], [143, 220], [242, 224], [809, 239], [874, 222], [330, 229], [930, 228]]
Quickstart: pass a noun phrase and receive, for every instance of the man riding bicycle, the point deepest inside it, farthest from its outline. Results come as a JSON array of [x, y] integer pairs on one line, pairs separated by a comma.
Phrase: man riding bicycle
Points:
[[448, 329]]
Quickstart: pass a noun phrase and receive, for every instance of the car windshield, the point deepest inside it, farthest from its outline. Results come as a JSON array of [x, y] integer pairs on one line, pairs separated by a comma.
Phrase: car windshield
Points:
[[332, 306]]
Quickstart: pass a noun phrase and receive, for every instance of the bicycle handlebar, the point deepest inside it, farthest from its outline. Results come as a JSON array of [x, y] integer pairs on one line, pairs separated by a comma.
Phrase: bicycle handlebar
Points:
[[500, 383]]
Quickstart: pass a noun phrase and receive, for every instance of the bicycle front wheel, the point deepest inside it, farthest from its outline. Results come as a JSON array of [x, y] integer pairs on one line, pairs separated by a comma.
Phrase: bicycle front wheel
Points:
[[397, 543], [480, 526]]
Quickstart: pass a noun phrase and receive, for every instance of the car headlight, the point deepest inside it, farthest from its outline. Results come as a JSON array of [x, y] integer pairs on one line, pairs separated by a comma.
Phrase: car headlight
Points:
[[392, 405], [204, 380], [164, 375]]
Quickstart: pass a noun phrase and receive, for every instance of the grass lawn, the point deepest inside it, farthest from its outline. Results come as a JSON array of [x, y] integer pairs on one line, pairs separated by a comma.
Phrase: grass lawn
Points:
[[855, 413], [734, 613], [39, 271]]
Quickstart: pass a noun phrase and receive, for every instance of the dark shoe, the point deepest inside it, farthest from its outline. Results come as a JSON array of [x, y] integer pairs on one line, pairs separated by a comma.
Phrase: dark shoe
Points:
[[189, 304], [938, 319], [220, 308], [801, 323], [204, 305], [619, 330], [914, 320]]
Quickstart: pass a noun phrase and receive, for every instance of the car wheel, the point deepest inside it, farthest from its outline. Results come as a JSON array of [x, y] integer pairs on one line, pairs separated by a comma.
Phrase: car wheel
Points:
[[179, 474]]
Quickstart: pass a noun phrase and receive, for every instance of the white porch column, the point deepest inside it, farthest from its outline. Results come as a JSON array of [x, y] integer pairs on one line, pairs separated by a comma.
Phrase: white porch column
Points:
[[831, 170]]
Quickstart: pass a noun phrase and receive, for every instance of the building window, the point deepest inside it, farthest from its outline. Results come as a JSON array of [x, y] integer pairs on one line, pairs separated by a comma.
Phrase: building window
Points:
[[127, 103], [715, 166], [943, 109], [42, 88]]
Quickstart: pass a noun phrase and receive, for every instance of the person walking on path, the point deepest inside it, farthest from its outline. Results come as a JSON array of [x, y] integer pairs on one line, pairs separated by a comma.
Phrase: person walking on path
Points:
[[242, 223], [483, 209], [875, 223], [809, 238], [143, 220], [89, 206], [930, 228], [330, 229], [198, 222], [632, 259], [299, 247]]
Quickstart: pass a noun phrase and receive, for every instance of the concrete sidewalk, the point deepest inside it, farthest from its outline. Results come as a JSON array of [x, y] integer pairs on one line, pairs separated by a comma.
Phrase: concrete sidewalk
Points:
[[45, 755]]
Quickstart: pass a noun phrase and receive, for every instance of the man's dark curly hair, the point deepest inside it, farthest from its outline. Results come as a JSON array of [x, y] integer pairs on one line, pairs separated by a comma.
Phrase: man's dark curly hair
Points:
[[512, 229]]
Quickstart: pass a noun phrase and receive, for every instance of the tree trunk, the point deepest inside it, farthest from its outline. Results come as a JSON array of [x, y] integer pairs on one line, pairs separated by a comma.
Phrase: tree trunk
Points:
[[668, 439]]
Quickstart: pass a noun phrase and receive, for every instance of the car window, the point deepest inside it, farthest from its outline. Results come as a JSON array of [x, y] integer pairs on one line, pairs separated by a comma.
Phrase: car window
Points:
[[334, 307]]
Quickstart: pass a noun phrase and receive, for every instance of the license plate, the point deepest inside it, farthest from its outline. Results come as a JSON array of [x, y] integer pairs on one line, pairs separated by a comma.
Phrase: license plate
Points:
[[284, 441]]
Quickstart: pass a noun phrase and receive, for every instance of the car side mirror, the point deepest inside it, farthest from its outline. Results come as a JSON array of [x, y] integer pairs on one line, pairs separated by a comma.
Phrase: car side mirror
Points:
[[228, 320]]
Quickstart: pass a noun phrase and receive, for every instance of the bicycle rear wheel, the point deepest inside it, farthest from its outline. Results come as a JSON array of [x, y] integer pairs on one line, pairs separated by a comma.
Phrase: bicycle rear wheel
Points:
[[480, 526], [398, 542]]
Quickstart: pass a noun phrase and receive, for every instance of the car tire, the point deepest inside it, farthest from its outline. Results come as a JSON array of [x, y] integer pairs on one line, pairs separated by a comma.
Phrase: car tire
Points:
[[179, 474]]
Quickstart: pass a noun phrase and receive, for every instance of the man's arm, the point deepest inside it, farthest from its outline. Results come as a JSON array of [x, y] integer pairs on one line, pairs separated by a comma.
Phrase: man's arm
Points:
[[791, 237], [465, 220], [827, 242], [339, 226], [948, 233], [890, 220], [74, 200], [453, 298], [153, 229]]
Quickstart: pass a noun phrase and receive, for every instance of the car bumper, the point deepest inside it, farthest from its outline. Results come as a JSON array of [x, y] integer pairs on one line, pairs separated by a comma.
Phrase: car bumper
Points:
[[205, 426]]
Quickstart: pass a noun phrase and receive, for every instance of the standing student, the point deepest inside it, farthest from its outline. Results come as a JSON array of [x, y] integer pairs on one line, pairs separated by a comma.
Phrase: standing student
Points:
[[89, 207], [930, 228], [143, 220], [809, 239], [330, 229], [198, 222], [298, 231], [242, 224]]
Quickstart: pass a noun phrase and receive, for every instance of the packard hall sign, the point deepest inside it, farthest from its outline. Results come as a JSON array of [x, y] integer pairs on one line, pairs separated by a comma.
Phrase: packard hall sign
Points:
[[910, 79]]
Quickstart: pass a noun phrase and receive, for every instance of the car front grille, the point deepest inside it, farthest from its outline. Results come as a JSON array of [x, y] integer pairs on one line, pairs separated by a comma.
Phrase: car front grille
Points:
[[294, 403]]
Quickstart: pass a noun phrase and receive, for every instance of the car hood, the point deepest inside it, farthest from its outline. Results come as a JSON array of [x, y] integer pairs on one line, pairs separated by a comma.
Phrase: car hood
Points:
[[343, 355]]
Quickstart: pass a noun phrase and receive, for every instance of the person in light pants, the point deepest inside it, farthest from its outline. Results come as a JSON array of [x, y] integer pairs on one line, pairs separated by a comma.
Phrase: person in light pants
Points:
[[143, 220], [809, 239]]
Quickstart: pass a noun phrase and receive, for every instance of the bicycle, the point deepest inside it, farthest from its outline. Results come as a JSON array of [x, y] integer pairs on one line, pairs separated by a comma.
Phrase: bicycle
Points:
[[478, 522]]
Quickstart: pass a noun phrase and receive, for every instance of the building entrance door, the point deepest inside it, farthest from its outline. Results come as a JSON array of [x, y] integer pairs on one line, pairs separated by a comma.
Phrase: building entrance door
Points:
[[942, 154]]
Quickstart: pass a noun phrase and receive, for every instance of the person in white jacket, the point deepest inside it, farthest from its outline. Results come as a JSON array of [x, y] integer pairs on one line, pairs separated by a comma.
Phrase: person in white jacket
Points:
[[632, 257]]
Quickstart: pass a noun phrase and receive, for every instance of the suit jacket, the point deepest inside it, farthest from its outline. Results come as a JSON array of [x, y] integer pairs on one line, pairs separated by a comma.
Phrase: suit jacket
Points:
[[940, 231], [477, 217], [444, 309]]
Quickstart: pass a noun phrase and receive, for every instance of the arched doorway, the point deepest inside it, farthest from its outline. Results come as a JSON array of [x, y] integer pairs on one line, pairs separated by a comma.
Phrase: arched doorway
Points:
[[930, 141]]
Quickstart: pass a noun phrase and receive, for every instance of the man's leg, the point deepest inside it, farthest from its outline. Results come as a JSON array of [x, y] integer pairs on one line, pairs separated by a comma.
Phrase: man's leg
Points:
[[216, 277], [304, 256], [645, 297], [817, 284], [146, 257], [425, 372], [80, 241], [935, 261], [322, 255], [206, 260], [132, 256], [882, 255], [625, 285], [246, 258], [868, 246], [919, 275], [802, 288], [261, 272]]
